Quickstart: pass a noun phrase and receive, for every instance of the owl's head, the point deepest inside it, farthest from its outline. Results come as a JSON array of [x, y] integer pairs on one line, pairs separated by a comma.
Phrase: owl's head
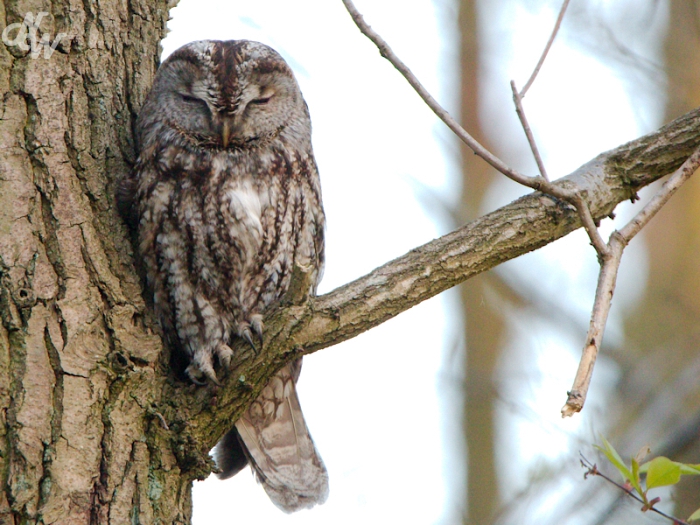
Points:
[[224, 94]]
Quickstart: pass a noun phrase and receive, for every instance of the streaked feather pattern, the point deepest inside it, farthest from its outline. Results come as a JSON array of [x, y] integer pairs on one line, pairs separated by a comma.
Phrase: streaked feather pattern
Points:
[[227, 199]]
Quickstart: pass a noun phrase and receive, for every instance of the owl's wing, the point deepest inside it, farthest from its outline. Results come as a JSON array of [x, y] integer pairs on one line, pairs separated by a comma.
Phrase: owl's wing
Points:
[[280, 447], [230, 454], [125, 197]]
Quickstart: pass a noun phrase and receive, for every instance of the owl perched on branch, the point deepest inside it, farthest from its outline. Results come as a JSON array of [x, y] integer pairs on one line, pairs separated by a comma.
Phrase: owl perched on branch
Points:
[[226, 199]]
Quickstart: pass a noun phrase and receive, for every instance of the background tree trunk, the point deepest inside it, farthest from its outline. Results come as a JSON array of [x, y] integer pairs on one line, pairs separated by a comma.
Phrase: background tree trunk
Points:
[[667, 315], [483, 323]]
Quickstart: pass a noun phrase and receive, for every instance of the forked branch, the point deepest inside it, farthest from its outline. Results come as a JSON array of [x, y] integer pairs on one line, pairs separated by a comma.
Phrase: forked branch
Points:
[[524, 225], [608, 275], [442, 113], [609, 254]]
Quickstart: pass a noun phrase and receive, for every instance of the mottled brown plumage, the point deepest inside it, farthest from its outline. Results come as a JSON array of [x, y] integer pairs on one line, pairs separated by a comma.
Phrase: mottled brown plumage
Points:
[[227, 200]]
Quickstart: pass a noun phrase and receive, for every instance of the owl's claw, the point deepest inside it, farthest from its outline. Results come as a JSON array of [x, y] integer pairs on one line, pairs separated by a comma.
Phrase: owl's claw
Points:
[[196, 370], [251, 330], [191, 375], [256, 325], [224, 354], [248, 336]]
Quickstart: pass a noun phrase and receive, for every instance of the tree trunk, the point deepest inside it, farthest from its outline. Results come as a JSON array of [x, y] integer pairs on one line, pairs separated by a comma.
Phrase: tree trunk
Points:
[[76, 365]]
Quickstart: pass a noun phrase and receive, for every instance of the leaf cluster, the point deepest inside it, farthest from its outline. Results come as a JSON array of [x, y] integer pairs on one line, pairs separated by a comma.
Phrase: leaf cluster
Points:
[[641, 477]]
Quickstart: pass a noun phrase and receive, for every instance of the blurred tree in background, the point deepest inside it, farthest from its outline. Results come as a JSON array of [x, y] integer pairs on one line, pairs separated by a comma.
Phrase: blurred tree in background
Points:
[[656, 393], [484, 324]]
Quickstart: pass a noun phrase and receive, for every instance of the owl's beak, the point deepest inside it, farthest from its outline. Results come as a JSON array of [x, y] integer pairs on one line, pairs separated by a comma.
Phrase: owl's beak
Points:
[[225, 133]]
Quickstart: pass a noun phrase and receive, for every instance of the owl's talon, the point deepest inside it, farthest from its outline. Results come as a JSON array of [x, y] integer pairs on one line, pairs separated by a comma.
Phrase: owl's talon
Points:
[[212, 377], [248, 336], [194, 372], [224, 354], [256, 325]]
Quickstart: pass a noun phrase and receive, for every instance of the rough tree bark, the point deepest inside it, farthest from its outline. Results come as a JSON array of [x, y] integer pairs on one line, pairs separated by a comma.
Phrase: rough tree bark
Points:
[[94, 427], [73, 434]]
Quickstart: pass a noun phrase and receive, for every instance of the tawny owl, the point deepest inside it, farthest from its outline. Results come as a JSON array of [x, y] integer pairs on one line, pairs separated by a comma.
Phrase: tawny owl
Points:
[[227, 199]]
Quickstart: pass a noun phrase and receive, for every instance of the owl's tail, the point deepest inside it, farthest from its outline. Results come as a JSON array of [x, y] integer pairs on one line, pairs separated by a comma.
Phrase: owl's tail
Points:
[[279, 446]]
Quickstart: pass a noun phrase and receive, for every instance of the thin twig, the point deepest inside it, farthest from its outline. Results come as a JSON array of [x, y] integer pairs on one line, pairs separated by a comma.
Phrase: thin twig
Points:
[[593, 471], [573, 197], [517, 98], [610, 264], [599, 317], [557, 25], [476, 147], [537, 183], [589, 225], [609, 253]]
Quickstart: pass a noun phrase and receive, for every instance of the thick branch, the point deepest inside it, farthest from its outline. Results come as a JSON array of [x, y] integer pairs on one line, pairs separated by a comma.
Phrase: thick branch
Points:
[[523, 226]]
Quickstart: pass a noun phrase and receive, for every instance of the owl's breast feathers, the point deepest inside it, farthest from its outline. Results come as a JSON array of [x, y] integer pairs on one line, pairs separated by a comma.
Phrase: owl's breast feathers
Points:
[[243, 218]]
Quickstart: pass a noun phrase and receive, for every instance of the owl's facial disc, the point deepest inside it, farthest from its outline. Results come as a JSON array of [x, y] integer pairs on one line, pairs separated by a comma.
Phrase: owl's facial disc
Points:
[[235, 94]]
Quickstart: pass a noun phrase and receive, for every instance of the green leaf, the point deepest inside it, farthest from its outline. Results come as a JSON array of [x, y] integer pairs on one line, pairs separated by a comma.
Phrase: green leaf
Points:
[[634, 480], [695, 516], [662, 471], [692, 470], [615, 459]]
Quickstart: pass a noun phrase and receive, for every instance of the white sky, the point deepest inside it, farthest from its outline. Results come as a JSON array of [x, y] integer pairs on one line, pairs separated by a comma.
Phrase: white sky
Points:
[[383, 408]]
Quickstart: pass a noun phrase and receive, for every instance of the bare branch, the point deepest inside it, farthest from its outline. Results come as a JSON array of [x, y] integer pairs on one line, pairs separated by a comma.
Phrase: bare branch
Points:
[[599, 317], [525, 225], [557, 25], [517, 98], [608, 276], [476, 147]]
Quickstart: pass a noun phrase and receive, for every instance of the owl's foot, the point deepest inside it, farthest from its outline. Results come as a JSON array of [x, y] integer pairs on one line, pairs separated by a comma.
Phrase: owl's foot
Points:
[[224, 354], [199, 373], [256, 325], [201, 367], [253, 327]]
